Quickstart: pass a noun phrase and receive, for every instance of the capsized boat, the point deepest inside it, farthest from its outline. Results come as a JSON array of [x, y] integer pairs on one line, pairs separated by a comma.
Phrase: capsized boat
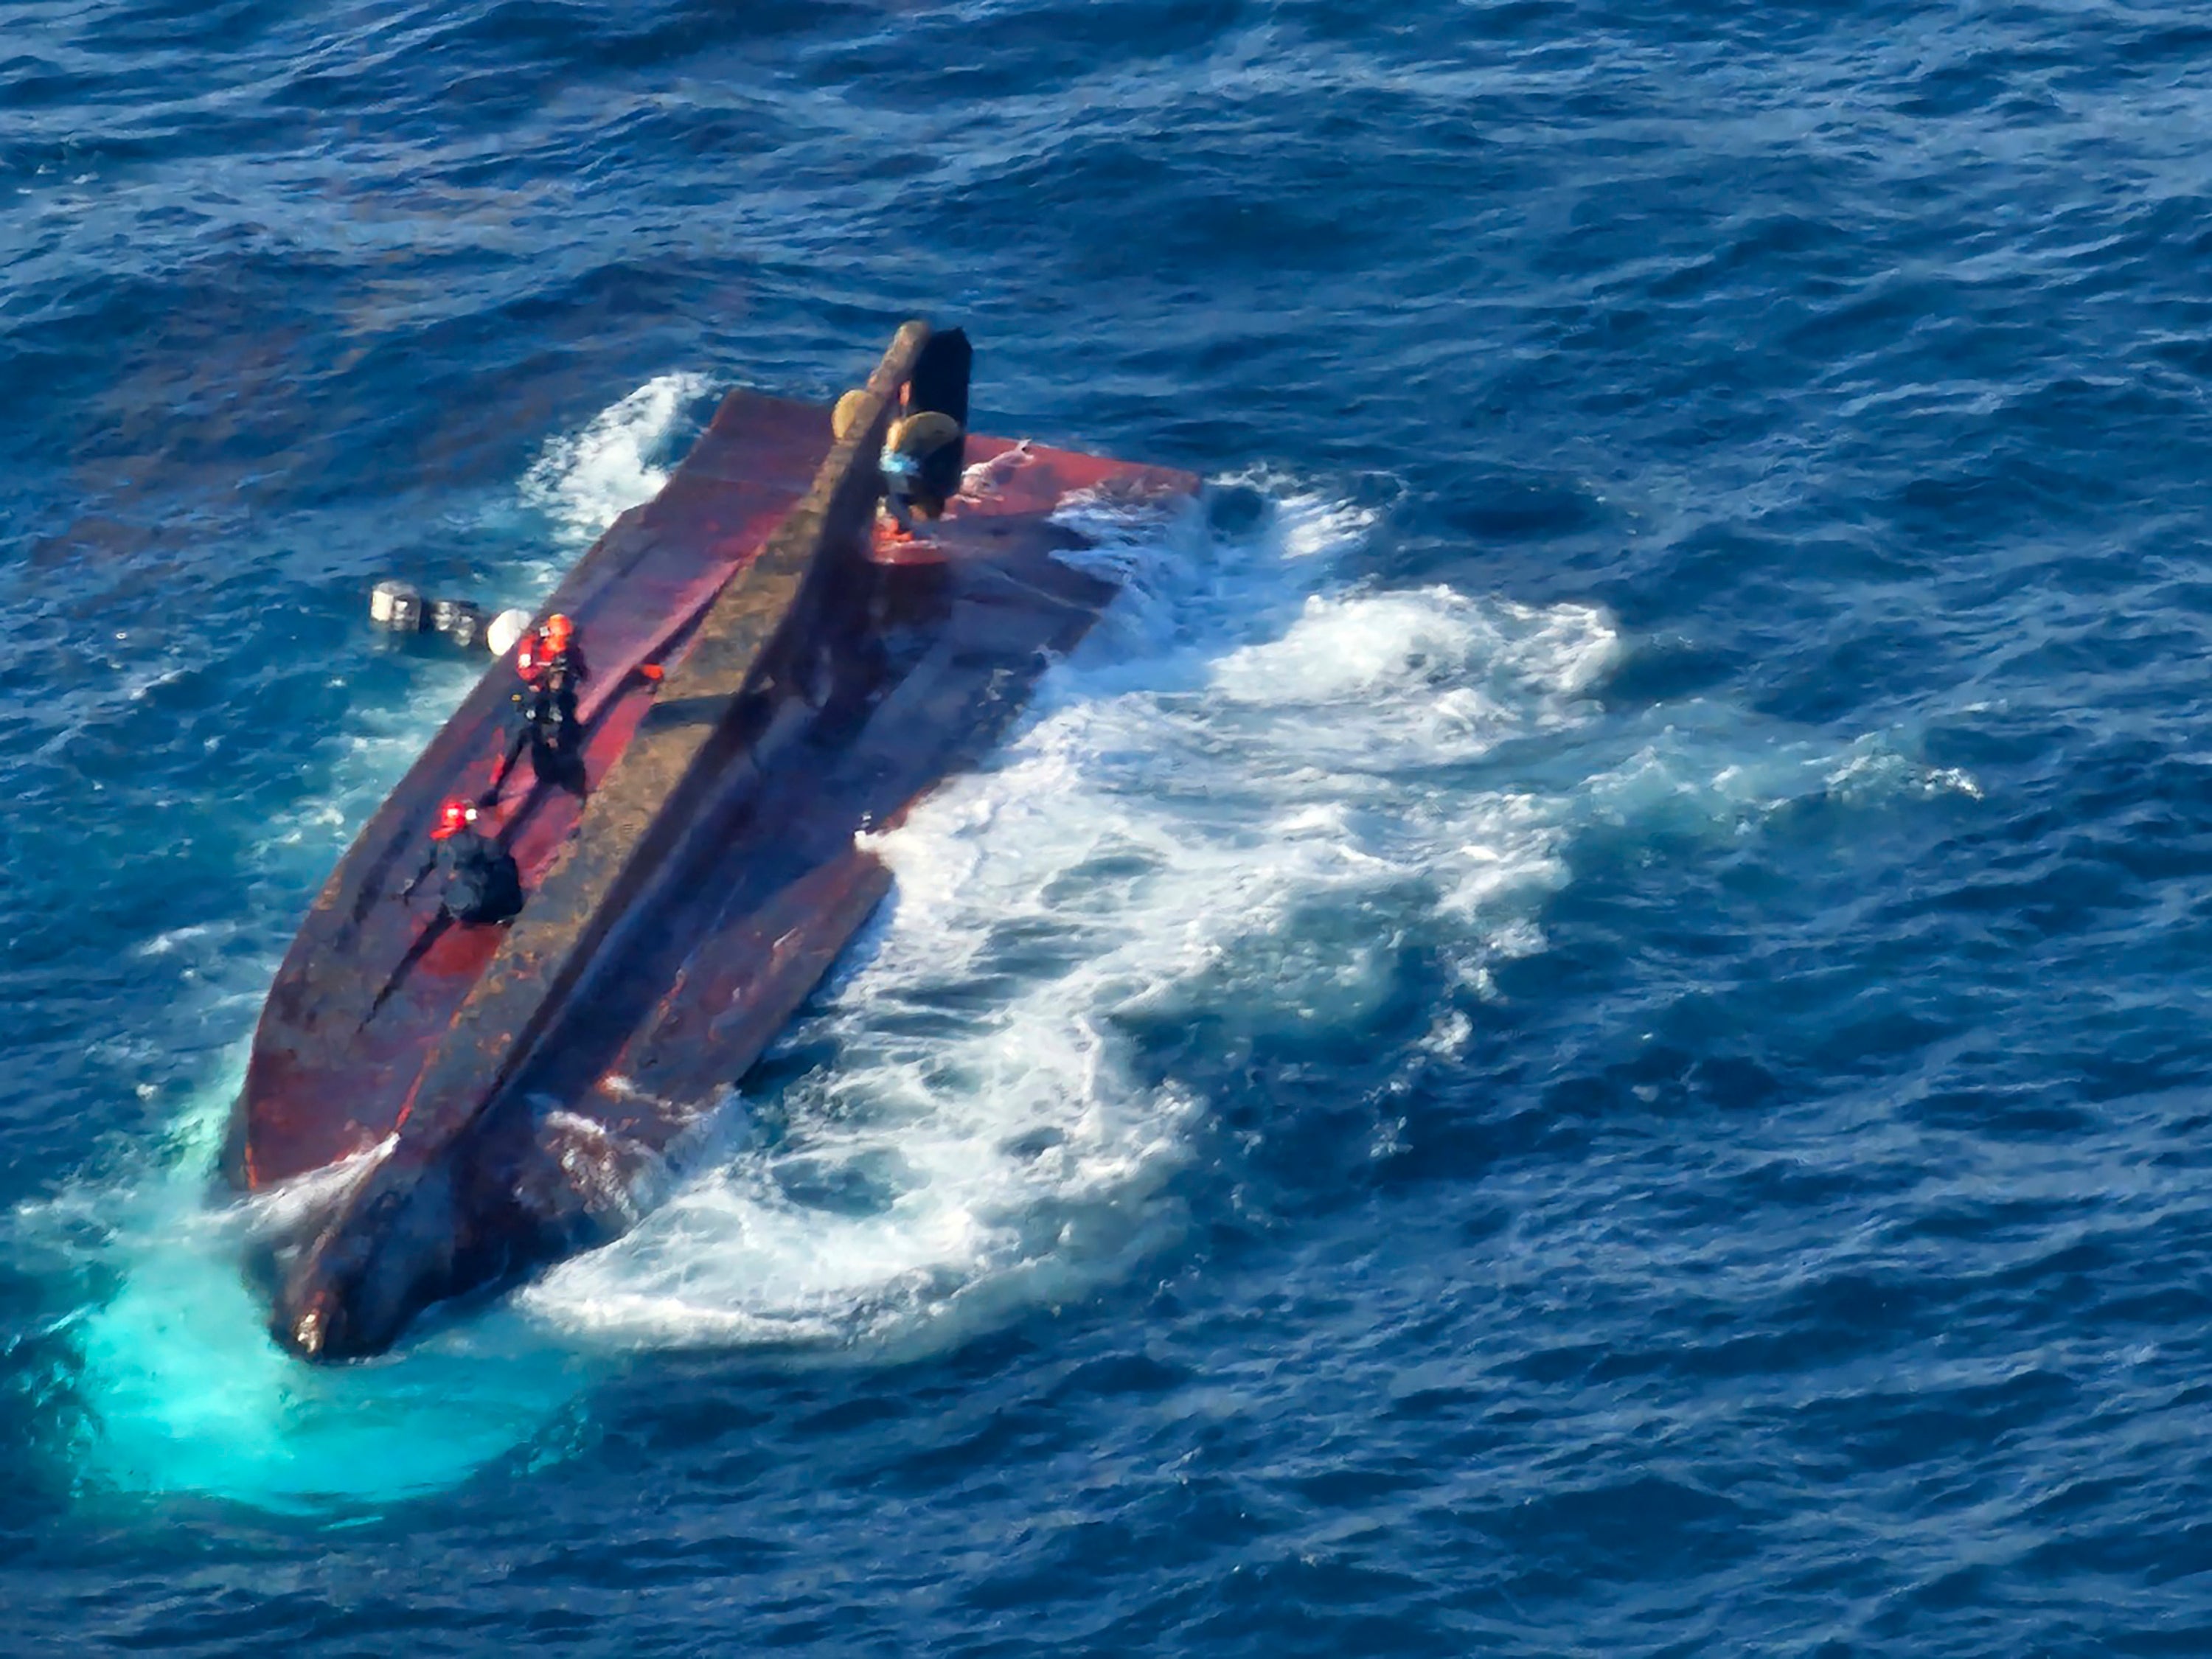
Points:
[[773, 676]]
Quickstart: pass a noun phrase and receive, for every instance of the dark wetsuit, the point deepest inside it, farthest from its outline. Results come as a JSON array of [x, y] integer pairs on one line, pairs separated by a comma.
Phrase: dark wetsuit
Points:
[[478, 879], [543, 715]]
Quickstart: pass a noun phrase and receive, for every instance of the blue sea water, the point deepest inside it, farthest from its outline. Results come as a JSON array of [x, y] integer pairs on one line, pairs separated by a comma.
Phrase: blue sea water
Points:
[[1582, 1028]]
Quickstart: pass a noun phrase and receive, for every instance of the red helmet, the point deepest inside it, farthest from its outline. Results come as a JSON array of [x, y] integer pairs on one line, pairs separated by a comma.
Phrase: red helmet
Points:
[[453, 817], [559, 631]]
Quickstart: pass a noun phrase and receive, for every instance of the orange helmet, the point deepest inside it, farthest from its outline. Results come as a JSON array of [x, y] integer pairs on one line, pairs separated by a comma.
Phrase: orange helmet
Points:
[[559, 631], [453, 817]]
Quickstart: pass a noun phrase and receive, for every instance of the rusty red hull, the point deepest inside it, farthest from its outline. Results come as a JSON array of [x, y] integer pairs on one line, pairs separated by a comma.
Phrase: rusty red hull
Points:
[[510, 1092]]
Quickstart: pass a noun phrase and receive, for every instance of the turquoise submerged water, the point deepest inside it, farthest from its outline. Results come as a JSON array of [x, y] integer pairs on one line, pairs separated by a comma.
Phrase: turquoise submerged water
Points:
[[1582, 1028]]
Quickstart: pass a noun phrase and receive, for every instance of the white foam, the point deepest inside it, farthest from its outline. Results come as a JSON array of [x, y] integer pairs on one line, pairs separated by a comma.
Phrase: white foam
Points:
[[1710, 769], [586, 482], [1873, 770], [284, 1208], [1234, 808], [180, 1386]]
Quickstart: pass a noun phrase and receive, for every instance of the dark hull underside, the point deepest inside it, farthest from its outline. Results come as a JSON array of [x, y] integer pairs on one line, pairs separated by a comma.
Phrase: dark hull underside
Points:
[[508, 1092]]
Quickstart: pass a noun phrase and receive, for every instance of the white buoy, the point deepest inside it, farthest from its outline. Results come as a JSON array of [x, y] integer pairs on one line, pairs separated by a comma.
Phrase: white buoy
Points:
[[506, 629], [396, 605]]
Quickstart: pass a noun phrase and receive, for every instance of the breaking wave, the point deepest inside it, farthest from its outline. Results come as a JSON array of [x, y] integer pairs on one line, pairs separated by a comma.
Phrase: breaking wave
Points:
[[166, 1380], [1231, 805], [622, 458]]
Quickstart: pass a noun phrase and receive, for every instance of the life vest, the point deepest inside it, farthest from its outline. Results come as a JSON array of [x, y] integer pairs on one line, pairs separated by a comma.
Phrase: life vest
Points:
[[540, 665], [921, 460], [921, 435], [532, 659]]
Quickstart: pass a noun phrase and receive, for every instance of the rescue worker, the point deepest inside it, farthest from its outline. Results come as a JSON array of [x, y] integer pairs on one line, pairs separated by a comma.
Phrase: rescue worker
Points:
[[552, 660], [542, 713], [921, 466], [479, 879]]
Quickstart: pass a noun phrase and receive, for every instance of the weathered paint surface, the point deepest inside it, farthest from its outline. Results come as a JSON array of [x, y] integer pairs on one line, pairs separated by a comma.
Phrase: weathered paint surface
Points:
[[372, 978], [521, 1080]]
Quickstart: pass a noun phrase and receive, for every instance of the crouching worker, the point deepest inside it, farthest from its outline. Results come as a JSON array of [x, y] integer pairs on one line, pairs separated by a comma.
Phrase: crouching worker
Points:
[[921, 466], [480, 881]]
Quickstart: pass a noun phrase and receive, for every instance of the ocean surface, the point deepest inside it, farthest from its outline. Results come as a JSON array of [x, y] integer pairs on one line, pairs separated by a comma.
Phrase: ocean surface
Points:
[[1583, 1028]]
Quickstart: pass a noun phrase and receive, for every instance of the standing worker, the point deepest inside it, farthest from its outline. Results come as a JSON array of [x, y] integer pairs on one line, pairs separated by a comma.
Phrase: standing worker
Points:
[[550, 661]]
